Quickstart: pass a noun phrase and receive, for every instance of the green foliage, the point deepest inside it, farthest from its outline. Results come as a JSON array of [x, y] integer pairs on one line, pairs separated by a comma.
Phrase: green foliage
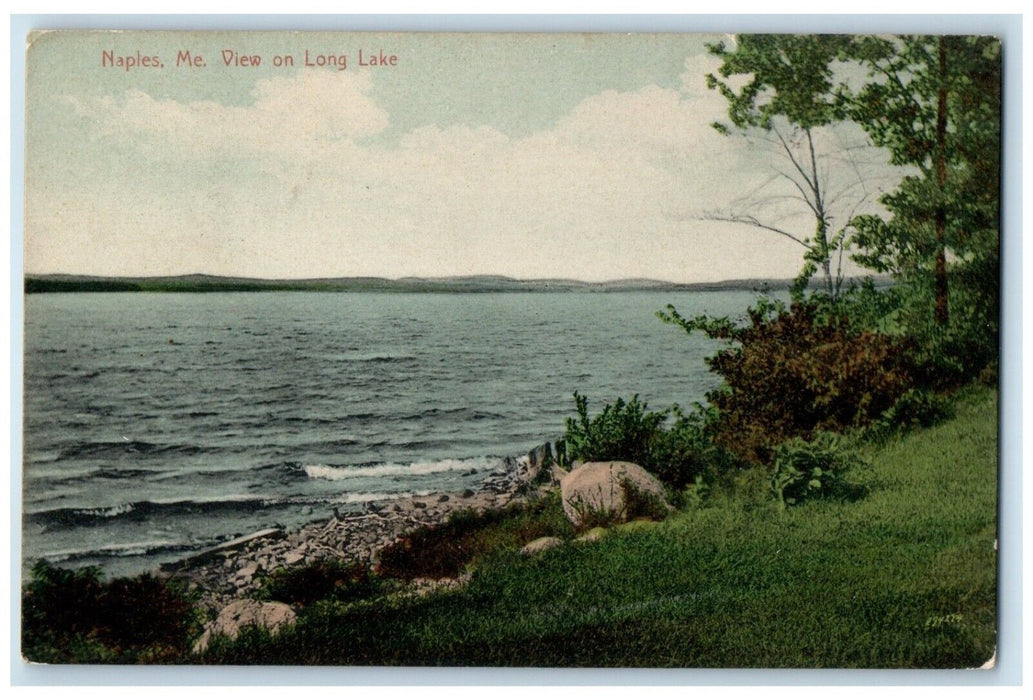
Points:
[[915, 409], [327, 579], [686, 453], [622, 431], [798, 371], [445, 551], [934, 102], [75, 617], [642, 504], [818, 468], [673, 446], [788, 75], [781, 87]]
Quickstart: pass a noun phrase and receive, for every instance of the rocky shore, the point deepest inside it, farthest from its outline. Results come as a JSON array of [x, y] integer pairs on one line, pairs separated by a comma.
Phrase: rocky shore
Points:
[[233, 570]]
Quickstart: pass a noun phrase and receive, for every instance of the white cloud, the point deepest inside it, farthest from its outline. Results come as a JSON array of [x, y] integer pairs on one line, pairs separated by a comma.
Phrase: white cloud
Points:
[[289, 117], [602, 194]]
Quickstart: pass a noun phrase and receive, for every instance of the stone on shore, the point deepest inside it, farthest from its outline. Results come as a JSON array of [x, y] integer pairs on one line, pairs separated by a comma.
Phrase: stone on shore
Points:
[[604, 493], [540, 545], [242, 613], [593, 535]]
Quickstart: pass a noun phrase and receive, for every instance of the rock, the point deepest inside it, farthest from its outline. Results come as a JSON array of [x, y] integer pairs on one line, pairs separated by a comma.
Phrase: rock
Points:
[[539, 457], [540, 545], [240, 614], [443, 498], [293, 558], [225, 549], [602, 493], [593, 535]]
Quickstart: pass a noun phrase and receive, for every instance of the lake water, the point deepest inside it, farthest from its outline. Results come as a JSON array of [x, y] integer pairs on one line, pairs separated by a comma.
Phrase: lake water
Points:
[[160, 424]]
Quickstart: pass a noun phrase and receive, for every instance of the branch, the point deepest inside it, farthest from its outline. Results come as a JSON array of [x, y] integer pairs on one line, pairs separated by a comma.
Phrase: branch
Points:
[[799, 187], [753, 221], [792, 159]]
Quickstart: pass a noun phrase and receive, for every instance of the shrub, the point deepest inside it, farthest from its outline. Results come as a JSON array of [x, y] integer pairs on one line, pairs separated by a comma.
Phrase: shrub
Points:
[[75, 617], [328, 579], [915, 409], [642, 504], [804, 470], [627, 431], [686, 452], [796, 372], [622, 431]]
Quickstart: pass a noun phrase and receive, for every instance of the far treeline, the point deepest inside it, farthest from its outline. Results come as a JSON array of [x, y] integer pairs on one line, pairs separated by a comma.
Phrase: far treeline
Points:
[[42, 284]]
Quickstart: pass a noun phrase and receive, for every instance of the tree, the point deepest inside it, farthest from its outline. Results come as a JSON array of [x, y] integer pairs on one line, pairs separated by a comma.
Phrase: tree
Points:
[[788, 96], [934, 102]]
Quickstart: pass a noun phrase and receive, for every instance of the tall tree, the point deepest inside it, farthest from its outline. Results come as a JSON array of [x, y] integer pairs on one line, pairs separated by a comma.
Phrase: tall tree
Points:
[[934, 102], [783, 88]]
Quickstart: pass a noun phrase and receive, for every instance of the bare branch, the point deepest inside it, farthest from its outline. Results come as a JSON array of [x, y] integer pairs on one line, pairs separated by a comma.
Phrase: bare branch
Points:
[[753, 221]]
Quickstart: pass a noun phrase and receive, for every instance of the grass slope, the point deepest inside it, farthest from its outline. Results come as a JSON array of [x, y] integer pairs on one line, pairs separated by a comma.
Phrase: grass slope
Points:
[[903, 578]]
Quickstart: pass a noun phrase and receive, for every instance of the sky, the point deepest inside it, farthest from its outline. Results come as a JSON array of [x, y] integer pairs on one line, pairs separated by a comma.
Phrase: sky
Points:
[[529, 155]]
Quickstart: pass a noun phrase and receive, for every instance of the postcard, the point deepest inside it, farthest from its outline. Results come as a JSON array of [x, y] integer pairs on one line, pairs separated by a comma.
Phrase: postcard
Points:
[[511, 350]]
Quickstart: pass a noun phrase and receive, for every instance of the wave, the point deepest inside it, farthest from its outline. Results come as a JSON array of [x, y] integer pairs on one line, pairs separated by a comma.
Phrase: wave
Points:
[[143, 510], [375, 357], [214, 507], [126, 549], [339, 473], [126, 446]]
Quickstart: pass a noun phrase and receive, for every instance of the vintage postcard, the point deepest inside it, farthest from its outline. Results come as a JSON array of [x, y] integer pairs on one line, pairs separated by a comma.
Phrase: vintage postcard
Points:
[[511, 350]]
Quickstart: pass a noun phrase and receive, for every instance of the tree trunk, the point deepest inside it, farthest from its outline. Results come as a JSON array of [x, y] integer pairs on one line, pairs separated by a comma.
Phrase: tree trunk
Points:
[[940, 271]]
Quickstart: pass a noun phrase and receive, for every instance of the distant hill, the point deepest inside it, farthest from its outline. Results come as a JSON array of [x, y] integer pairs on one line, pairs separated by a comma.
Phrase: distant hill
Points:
[[196, 283]]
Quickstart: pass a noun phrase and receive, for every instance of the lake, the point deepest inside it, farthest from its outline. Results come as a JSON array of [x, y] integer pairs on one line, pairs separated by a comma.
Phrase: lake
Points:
[[160, 424]]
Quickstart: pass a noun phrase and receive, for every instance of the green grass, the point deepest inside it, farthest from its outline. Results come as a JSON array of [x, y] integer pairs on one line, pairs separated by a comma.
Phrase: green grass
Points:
[[447, 550], [903, 578]]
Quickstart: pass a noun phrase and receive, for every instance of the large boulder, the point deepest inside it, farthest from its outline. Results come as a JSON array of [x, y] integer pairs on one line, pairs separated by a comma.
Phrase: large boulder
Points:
[[241, 613], [604, 493]]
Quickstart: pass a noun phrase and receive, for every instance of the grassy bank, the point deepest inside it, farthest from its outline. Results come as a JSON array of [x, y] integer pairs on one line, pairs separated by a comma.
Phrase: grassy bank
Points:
[[904, 577]]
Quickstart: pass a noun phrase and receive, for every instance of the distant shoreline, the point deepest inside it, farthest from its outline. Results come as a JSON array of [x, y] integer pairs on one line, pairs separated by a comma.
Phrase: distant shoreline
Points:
[[57, 283]]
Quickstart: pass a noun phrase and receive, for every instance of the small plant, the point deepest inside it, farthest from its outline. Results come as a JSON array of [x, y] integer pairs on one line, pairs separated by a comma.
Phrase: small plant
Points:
[[627, 431], [642, 504], [695, 495], [804, 470], [328, 579], [622, 431], [915, 409], [445, 550]]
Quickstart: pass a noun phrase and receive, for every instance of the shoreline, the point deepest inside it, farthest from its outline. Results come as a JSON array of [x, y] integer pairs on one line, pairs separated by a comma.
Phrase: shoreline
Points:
[[233, 570]]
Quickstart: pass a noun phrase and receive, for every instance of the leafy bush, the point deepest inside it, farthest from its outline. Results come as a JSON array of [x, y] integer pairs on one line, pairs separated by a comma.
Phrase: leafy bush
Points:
[[686, 453], [915, 409], [622, 431], [75, 617], [804, 470], [796, 372], [328, 579], [627, 431]]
